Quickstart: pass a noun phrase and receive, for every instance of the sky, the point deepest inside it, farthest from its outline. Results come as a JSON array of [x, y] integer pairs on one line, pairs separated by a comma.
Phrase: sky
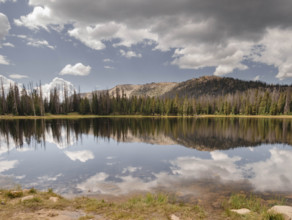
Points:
[[99, 44]]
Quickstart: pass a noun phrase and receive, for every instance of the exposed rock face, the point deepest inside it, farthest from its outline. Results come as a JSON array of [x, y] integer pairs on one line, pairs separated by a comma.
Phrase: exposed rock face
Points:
[[286, 211], [241, 211]]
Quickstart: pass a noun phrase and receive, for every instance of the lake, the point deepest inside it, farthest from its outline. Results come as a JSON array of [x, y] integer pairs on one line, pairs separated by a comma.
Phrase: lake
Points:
[[119, 156]]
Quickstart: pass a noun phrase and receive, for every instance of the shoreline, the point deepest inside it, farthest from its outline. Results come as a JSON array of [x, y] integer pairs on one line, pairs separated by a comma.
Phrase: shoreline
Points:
[[77, 116], [35, 204]]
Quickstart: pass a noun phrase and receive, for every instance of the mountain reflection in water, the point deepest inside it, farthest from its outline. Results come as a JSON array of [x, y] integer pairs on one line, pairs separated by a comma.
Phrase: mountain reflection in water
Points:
[[124, 155]]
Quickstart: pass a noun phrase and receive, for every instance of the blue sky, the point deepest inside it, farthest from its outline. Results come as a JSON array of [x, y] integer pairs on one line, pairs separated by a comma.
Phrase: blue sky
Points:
[[99, 44]]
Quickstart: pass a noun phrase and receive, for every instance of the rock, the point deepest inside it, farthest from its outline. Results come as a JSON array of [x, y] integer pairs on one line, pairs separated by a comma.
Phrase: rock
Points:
[[26, 198], [2, 202], [286, 211], [54, 199], [174, 217], [243, 211]]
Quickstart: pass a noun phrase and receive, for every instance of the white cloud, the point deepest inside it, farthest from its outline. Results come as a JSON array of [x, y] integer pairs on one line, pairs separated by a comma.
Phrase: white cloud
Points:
[[270, 174], [39, 43], [59, 84], [4, 26], [276, 50], [273, 174], [108, 60], [40, 17], [131, 169], [7, 165], [78, 70], [4, 29], [49, 178], [108, 67], [7, 44], [35, 42], [7, 83], [203, 33], [98, 183], [257, 78], [93, 36], [21, 36], [17, 76], [3, 1], [65, 139], [4, 60], [129, 54], [82, 156]]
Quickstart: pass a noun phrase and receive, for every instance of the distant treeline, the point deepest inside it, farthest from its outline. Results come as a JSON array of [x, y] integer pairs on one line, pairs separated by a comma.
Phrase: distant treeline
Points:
[[250, 102]]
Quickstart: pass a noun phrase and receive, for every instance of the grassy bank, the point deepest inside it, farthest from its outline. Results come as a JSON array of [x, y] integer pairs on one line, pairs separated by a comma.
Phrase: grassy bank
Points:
[[32, 204], [78, 116]]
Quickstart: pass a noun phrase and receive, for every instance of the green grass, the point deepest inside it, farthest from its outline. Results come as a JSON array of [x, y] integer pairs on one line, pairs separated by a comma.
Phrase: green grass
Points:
[[258, 206], [273, 216]]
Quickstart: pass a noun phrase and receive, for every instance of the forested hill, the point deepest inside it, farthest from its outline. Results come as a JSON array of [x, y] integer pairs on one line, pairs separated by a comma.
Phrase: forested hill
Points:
[[205, 95], [193, 88], [214, 86]]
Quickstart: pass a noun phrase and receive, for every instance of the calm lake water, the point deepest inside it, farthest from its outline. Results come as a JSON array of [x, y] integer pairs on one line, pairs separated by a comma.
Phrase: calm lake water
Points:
[[121, 156]]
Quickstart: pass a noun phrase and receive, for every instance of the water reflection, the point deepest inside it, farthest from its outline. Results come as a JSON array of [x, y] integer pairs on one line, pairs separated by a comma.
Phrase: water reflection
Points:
[[202, 134], [118, 156]]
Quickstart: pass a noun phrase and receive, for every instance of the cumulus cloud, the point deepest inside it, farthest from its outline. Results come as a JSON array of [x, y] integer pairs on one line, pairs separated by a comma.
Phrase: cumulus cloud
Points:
[[17, 76], [7, 165], [274, 173], [3, 1], [41, 17], [82, 156], [4, 60], [7, 83], [276, 50], [129, 54], [203, 33], [35, 42], [59, 84], [78, 70], [39, 43], [4, 26], [7, 44], [257, 78], [107, 60], [4, 29], [108, 67], [270, 174], [49, 178]]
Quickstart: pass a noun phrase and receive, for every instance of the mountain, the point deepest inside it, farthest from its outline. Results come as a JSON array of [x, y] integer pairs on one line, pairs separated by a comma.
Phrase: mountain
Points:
[[206, 85]]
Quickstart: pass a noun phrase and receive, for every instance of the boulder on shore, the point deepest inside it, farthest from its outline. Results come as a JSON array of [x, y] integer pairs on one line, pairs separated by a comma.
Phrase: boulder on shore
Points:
[[243, 211], [286, 211]]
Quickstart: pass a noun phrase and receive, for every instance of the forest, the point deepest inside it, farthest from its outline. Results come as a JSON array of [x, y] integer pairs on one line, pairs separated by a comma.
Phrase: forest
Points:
[[31, 102]]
